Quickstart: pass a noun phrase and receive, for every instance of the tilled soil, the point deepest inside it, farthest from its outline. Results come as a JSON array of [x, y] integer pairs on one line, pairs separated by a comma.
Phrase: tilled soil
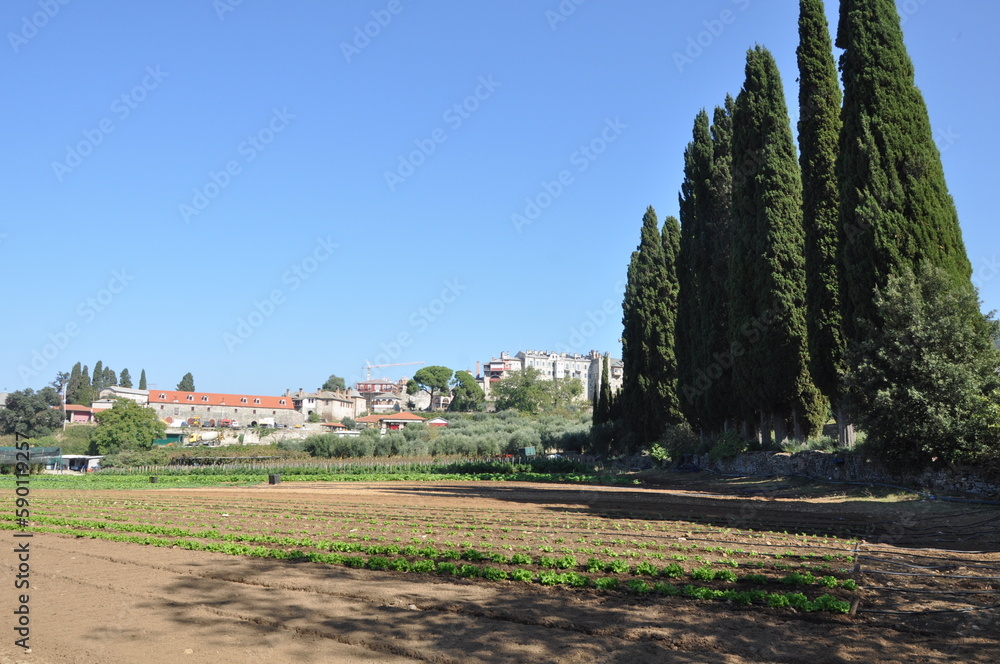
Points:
[[96, 601]]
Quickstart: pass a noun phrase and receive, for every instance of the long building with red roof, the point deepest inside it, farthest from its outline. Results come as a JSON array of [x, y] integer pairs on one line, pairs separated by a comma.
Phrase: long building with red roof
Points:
[[210, 408]]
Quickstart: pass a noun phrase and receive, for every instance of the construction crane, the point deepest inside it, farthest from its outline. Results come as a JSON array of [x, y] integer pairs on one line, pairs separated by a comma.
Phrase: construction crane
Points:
[[368, 367]]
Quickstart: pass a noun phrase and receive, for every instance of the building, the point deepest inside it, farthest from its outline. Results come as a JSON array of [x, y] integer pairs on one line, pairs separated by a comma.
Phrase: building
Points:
[[554, 366], [390, 421], [78, 414], [330, 405], [209, 409]]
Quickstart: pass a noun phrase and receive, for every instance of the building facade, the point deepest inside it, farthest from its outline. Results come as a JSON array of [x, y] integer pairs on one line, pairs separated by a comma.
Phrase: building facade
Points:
[[554, 366], [209, 409], [330, 405]]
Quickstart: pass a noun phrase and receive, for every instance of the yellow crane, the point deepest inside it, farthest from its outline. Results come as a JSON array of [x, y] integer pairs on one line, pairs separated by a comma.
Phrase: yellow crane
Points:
[[368, 367]]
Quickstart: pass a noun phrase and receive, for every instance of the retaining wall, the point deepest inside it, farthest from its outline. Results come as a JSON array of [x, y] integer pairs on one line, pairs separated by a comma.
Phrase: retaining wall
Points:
[[853, 468]]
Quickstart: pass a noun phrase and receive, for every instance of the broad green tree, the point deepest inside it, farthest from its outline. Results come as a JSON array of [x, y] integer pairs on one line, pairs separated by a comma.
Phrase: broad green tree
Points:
[[467, 395], [125, 380], [335, 384], [767, 271], [924, 384], [819, 137], [31, 414], [126, 426], [895, 209], [433, 379], [186, 384], [520, 390]]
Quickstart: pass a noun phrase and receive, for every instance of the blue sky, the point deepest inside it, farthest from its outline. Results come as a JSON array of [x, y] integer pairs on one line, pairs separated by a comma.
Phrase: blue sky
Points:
[[262, 194]]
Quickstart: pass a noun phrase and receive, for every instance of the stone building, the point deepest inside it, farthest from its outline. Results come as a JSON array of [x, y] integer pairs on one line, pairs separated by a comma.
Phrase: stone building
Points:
[[209, 409]]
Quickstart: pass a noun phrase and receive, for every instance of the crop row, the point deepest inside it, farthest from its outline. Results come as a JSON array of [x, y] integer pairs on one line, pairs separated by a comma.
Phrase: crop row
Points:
[[431, 553], [444, 567]]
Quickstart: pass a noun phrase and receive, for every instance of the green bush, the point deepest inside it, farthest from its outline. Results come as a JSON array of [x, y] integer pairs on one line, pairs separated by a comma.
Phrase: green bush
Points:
[[728, 445]]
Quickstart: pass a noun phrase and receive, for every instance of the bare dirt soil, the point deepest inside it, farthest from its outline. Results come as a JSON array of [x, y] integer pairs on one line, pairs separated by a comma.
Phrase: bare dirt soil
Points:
[[101, 602]]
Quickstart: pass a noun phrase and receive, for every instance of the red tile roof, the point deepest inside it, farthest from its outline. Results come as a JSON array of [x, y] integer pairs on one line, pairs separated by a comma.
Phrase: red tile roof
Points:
[[237, 400]]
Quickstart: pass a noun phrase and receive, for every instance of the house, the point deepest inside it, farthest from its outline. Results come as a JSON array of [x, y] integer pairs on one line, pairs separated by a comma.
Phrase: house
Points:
[[330, 405], [338, 429], [209, 408], [390, 422], [437, 422], [79, 414], [384, 402], [554, 366], [141, 397]]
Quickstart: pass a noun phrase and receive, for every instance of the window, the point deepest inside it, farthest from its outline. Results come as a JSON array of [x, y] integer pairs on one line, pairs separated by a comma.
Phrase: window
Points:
[[254, 411], [243, 400], [162, 407], [204, 398], [177, 411], [282, 402], [256, 400], [163, 396], [190, 398]]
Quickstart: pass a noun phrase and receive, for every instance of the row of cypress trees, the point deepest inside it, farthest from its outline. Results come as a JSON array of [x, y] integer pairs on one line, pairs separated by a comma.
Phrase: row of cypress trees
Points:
[[741, 314]]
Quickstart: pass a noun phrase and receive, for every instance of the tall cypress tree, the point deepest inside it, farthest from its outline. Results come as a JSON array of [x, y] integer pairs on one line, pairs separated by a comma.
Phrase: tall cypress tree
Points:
[[665, 363], [604, 398], [895, 207], [649, 398], [97, 382], [85, 393], [721, 404], [767, 271], [73, 386], [142, 380], [819, 136], [692, 265], [125, 379]]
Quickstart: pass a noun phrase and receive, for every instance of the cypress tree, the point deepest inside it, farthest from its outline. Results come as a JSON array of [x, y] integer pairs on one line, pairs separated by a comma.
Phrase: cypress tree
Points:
[[604, 398], [125, 379], [649, 397], [85, 393], [819, 136], [142, 380], [98, 381], [721, 404], [895, 207], [692, 265], [186, 384], [665, 362], [767, 271], [73, 385], [110, 377]]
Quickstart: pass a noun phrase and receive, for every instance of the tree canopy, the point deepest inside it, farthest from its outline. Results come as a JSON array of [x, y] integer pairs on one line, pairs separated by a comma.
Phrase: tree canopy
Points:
[[186, 384], [125, 380], [434, 378], [31, 414], [467, 395], [126, 426], [334, 384]]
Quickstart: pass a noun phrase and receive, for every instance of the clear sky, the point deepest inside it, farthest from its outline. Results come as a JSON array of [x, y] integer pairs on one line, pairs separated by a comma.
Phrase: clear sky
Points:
[[262, 194]]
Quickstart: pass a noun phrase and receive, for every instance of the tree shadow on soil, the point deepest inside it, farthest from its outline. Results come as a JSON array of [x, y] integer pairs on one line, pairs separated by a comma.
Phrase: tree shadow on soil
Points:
[[318, 607]]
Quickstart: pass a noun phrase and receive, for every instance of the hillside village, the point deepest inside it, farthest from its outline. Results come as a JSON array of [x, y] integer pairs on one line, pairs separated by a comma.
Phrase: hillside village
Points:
[[211, 418]]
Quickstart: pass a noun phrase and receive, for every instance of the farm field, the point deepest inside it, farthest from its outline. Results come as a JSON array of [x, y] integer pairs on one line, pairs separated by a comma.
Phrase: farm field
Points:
[[693, 571]]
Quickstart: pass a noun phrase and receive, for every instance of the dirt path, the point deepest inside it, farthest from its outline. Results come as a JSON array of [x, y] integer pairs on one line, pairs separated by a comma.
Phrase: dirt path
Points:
[[103, 602]]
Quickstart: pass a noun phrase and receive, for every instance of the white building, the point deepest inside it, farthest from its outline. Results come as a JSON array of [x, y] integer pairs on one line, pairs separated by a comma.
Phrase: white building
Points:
[[554, 366]]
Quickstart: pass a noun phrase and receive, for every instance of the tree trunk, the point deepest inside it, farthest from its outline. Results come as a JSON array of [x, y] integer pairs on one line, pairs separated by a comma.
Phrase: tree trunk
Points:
[[846, 436]]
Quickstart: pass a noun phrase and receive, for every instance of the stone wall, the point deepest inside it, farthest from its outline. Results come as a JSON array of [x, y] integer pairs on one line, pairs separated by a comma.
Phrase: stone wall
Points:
[[853, 468]]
